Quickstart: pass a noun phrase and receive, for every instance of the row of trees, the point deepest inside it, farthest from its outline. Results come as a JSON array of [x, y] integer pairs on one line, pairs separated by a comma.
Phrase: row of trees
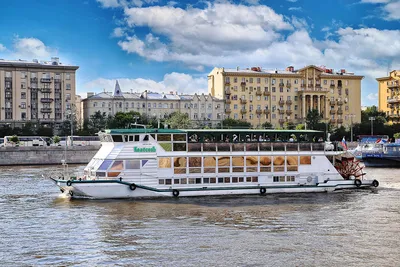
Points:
[[100, 121]]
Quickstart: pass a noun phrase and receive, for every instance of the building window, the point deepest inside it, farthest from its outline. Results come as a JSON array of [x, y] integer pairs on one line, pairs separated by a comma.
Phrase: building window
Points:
[[273, 81], [274, 116], [68, 76], [235, 79], [258, 80], [68, 86], [251, 80], [325, 82], [235, 116], [67, 96], [273, 98], [195, 116], [235, 106], [23, 75], [296, 81], [23, 116], [23, 95], [23, 105], [94, 104], [273, 89]]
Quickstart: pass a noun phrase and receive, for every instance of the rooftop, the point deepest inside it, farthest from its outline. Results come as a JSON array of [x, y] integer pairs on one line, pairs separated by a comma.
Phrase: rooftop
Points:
[[34, 63]]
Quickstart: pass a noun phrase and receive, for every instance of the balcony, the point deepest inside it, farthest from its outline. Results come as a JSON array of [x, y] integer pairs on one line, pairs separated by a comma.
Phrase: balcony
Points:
[[8, 79], [289, 112], [318, 86], [228, 91], [288, 85], [394, 115], [332, 102], [45, 80], [266, 93], [227, 83], [258, 111], [281, 121], [281, 102], [340, 102], [332, 86], [228, 101], [57, 80], [243, 111], [281, 84], [332, 121], [258, 92], [45, 90], [288, 102], [310, 85], [266, 111], [228, 110], [45, 110], [34, 80], [243, 101], [339, 86], [46, 100], [243, 83], [394, 100], [340, 111], [281, 111], [332, 111], [394, 85], [340, 121]]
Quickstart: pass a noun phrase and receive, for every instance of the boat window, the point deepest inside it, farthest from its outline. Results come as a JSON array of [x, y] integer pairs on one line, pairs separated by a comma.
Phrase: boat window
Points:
[[194, 147], [248, 179], [252, 163], [209, 164], [164, 162], [168, 181], [113, 174], [224, 147], [117, 138], [198, 180], [183, 180], [227, 180], [265, 164], [161, 181], [206, 180], [146, 137], [153, 136], [209, 147], [290, 178], [238, 164], [265, 147], [292, 146], [252, 147], [254, 179], [304, 147], [220, 180], [176, 181], [100, 174], [179, 137], [137, 138], [166, 146], [132, 164], [180, 165], [318, 146], [195, 165], [104, 166], [224, 164], [213, 180], [305, 160], [292, 163], [238, 147], [117, 165], [241, 179], [179, 146], [131, 138], [163, 137], [278, 146], [191, 180], [279, 163]]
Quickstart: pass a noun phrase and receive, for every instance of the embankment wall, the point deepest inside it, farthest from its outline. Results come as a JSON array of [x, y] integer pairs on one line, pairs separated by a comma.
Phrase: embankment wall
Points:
[[48, 155]]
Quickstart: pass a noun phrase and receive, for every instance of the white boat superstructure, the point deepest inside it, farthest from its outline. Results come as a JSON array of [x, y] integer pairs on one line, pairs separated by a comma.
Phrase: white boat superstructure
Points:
[[170, 163]]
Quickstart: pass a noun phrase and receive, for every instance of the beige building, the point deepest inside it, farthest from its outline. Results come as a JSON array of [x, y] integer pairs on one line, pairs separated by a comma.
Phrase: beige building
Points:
[[278, 97], [389, 95], [37, 92], [202, 109]]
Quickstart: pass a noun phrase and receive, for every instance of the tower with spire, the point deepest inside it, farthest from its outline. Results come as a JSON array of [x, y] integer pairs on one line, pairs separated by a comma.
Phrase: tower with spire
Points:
[[117, 90]]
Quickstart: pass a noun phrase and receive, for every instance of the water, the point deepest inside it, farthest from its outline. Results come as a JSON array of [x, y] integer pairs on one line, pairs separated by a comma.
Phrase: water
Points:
[[38, 227]]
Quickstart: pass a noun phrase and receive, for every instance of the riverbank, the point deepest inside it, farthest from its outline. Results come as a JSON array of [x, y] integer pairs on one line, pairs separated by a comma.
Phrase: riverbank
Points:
[[50, 155]]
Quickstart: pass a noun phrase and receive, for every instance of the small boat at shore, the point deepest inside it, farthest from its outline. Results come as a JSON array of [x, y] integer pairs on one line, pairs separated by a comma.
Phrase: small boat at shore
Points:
[[135, 163], [383, 155]]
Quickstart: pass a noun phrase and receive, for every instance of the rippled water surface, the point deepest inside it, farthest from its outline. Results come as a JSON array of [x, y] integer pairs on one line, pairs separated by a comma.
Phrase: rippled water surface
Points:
[[39, 227]]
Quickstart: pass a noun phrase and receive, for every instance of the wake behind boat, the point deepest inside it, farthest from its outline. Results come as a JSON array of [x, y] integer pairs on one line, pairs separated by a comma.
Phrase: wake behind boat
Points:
[[170, 163]]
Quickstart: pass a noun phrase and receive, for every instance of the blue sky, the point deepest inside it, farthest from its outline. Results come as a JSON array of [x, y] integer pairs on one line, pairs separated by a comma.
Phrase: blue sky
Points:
[[172, 45]]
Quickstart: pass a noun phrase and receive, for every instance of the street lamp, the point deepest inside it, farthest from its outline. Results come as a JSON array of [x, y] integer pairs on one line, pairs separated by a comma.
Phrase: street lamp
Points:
[[372, 124]]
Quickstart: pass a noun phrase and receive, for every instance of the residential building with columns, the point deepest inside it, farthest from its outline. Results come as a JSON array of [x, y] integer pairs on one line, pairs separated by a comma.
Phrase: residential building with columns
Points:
[[389, 95], [281, 96]]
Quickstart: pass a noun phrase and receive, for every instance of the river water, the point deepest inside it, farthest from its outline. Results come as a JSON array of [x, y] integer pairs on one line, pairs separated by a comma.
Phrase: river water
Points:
[[39, 227]]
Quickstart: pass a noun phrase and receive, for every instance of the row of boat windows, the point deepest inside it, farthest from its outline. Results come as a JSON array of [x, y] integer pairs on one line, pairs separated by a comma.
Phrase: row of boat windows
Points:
[[142, 137], [223, 180]]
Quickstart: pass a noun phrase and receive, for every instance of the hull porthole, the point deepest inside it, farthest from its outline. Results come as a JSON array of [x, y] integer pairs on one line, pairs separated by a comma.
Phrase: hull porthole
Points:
[[69, 183], [132, 186], [375, 183], [263, 190], [357, 182], [175, 193]]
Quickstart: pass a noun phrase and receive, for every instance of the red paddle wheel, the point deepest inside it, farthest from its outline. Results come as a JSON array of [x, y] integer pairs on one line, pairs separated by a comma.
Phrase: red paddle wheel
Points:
[[349, 167]]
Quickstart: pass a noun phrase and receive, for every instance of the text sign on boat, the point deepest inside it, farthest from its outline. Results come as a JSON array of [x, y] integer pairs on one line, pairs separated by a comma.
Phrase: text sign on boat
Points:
[[144, 149]]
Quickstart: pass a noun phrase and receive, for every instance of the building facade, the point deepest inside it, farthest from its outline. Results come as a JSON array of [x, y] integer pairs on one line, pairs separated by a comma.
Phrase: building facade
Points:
[[37, 92], [389, 95], [201, 109], [280, 97]]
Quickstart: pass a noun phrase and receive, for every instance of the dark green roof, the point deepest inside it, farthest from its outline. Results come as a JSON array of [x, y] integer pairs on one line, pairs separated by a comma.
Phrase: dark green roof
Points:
[[166, 131]]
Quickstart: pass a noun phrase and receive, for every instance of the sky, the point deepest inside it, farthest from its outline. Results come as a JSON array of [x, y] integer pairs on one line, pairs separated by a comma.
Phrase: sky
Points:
[[166, 46]]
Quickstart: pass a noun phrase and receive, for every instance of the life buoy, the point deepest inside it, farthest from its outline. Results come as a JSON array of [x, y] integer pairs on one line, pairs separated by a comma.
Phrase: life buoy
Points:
[[132, 186], [263, 190], [375, 183], [175, 193], [69, 183], [357, 182]]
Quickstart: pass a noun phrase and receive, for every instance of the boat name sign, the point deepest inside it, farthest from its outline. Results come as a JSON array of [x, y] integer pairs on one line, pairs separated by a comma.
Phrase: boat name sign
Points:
[[145, 149]]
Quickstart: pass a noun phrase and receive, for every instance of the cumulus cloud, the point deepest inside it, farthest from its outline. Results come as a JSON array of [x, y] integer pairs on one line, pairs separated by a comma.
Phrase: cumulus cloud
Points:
[[372, 96], [295, 9], [109, 3], [390, 8], [175, 82], [375, 1], [292, 1], [2, 48], [28, 48], [118, 32]]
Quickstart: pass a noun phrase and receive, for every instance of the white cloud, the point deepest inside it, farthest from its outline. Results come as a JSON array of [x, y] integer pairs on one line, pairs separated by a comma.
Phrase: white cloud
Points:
[[374, 1], [295, 8], [390, 8], [2, 48], [29, 48], [118, 32], [252, 2], [372, 96], [175, 82], [109, 3], [292, 1]]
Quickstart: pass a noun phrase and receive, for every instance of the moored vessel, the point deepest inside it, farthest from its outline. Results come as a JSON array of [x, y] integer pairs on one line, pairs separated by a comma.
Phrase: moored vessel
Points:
[[181, 163]]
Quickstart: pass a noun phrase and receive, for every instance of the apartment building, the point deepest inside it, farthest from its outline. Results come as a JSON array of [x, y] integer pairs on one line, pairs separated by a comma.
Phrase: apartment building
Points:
[[389, 95], [36, 91], [281, 96], [202, 109]]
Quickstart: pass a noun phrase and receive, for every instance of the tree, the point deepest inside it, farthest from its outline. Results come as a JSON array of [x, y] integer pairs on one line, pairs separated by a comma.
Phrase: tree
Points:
[[56, 139], [232, 123], [28, 129], [266, 125], [14, 139], [300, 127], [289, 125], [178, 120], [396, 136], [97, 122], [313, 118]]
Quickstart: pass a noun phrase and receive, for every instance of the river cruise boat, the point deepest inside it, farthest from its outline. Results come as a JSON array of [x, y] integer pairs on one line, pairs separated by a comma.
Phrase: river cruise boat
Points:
[[135, 163]]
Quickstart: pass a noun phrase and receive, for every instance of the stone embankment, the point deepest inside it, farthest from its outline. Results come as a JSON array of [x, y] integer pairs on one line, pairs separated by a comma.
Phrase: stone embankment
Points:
[[49, 155]]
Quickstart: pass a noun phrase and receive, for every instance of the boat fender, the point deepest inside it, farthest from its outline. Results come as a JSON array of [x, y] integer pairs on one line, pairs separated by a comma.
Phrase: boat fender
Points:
[[69, 183], [263, 190], [357, 182], [175, 193], [375, 183], [132, 186], [80, 179]]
